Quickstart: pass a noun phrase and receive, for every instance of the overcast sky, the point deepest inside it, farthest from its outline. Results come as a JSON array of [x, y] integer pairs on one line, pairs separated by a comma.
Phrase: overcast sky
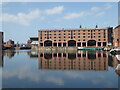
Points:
[[23, 20]]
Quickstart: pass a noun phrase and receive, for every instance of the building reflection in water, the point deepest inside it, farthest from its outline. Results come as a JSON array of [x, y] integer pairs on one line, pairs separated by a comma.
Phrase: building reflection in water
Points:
[[9, 53], [116, 64], [1, 58], [82, 60]]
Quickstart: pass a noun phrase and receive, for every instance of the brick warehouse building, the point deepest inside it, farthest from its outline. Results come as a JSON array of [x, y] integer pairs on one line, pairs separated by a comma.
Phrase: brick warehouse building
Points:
[[116, 36], [76, 37]]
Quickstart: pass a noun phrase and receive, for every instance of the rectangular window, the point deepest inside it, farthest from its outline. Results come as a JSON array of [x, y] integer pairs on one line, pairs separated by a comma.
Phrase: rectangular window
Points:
[[83, 33]]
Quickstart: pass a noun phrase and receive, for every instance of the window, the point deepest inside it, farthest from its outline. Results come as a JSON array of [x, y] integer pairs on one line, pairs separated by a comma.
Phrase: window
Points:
[[74, 36], [78, 36], [74, 30], [54, 37], [64, 37], [64, 33], [88, 36], [54, 40], [83, 33], [68, 37], [59, 37], [78, 33], [94, 36], [64, 40], [83, 39], [88, 33], [104, 39], [98, 36], [59, 40], [88, 30], [98, 39], [74, 33], [83, 36], [68, 33], [79, 40], [59, 34], [98, 33], [54, 34]]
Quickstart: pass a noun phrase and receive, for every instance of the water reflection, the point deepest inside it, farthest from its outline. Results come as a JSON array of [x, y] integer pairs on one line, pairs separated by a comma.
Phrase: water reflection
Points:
[[82, 60], [59, 69]]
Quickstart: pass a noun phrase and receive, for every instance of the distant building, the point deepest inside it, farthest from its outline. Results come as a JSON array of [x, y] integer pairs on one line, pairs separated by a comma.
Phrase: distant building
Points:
[[33, 41], [10, 42], [116, 36], [95, 37], [1, 40]]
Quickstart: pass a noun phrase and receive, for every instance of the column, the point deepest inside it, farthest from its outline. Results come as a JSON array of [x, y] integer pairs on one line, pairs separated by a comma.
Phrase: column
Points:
[[86, 44], [76, 44], [96, 44], [81, 44], [66, 44], [101, 44], [61, 44], [57, 44]]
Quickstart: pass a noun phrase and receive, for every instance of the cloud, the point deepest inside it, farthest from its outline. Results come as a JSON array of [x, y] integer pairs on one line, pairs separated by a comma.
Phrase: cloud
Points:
[[22, 18], [26, 18], [100, 14], [55, 10], [95, 9], [74, 15], [37, 77], [108, 6]]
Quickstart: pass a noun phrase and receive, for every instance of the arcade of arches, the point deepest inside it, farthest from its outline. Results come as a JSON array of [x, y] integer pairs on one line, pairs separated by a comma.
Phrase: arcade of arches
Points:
[[73, 43]]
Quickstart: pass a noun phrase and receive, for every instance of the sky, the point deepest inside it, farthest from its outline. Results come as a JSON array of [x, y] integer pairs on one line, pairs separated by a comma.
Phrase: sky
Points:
[[21, 20]]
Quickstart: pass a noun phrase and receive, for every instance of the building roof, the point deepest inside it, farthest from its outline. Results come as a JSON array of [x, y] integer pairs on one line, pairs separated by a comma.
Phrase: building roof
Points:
[[117, 26], [33, 37], [71, 29]]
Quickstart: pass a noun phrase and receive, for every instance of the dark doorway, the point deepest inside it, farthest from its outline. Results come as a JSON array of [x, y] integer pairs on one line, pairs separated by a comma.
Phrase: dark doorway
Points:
[[91, 43], [78, 44], [64, 44], [48, 43], [54, 44], [59, 44], [99, 43], [72, 43], [104, 43]]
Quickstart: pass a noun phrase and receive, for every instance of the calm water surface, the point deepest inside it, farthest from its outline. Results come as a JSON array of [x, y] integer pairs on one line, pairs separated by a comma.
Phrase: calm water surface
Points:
[[81, 69]]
